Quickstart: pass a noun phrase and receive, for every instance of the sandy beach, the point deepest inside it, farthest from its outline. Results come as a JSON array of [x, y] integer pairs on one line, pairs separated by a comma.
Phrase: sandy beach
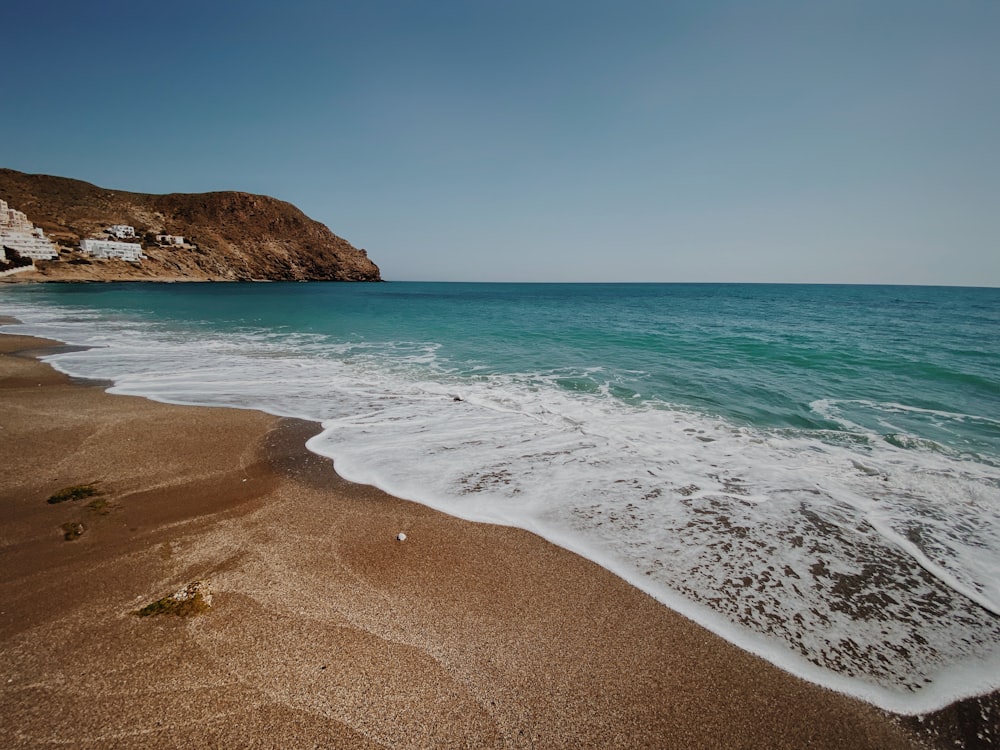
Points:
[[325, 630]]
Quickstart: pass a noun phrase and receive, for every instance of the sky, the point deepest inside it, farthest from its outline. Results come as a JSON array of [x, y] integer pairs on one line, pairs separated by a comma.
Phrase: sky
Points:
[[824, 141]]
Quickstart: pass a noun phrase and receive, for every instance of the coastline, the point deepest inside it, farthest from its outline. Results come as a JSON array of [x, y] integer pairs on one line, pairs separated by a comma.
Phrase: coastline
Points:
[[324, 628]]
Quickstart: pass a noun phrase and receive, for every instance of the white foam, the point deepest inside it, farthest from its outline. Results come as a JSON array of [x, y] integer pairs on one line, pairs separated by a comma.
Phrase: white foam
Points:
[[845, 559]]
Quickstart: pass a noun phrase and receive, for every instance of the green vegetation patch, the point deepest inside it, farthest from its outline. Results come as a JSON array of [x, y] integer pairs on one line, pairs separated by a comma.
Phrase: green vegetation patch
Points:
[[72, 530], [76, 492], [100, 505], [193, 599]]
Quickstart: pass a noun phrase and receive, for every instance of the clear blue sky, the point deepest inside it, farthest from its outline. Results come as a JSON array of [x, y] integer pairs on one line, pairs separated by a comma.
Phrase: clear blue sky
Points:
[[798, 141]]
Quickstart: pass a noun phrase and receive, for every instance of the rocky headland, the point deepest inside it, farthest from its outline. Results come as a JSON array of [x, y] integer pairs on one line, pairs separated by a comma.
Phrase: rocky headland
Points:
[[228, 236]]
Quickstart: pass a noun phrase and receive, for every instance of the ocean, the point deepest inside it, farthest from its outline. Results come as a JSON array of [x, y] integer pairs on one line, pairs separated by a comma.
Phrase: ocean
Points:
[[811, 472]]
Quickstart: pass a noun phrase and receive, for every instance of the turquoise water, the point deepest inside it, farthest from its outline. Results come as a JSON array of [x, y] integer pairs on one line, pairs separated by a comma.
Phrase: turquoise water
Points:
[[811, 471]]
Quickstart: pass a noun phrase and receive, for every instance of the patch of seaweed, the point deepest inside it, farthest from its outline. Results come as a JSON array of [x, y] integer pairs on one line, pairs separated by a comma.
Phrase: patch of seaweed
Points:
[[76, 492], [100, 505]]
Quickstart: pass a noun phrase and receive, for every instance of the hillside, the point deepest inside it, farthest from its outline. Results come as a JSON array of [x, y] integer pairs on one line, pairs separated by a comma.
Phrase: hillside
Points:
[[231, 236]]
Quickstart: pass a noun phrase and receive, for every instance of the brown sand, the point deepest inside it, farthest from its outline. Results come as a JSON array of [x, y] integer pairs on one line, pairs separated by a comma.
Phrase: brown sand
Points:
[[325, 630]]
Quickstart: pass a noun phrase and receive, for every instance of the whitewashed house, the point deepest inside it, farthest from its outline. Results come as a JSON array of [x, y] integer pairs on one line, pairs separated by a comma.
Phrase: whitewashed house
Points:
[[19, 234], [110, 250], [169, 239], [121, 231]]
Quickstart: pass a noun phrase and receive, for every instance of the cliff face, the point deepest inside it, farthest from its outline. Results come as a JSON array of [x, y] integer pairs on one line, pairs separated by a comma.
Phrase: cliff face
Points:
[[232, 236]]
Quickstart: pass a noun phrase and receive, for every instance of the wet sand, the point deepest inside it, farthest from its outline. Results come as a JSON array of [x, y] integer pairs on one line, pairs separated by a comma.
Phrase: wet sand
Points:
[[325, 631]]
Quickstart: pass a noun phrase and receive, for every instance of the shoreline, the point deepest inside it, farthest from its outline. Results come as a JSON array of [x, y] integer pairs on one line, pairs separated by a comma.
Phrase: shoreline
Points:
[[324, 626]]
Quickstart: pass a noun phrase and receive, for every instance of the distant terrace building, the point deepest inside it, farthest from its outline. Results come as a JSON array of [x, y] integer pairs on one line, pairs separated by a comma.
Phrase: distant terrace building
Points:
[[17, 233], [169, 239], [121, 231], [13, 219], [110, 250]]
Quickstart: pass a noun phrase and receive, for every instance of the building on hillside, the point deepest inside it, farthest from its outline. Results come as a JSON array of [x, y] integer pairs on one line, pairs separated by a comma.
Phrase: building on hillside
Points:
[[13, 219], [33, 244], [121, 231], [169, 239], [3, 255], [110, 250], [17, 233]]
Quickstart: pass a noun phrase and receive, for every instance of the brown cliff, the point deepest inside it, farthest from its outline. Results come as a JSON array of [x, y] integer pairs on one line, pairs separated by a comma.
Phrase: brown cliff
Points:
[[231, 236]]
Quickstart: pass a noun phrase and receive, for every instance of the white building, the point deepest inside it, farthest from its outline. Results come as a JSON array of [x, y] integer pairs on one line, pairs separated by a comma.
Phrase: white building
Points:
[[108, 249], [12, 219], [19, 234], [121, 231], [169, 239]]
